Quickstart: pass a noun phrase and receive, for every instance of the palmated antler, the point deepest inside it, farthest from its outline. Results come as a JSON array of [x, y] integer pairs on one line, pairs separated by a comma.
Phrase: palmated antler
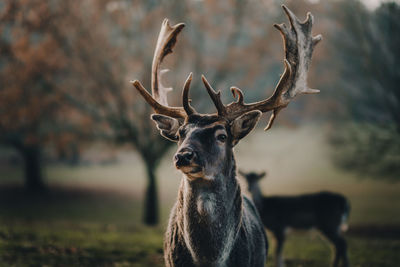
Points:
[[158, 100], [299, 45]]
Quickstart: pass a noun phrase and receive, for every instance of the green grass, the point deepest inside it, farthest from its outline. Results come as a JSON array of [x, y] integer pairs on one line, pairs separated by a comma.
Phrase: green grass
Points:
[[63, 243], [310, 249], [92, 214], [84, 244]]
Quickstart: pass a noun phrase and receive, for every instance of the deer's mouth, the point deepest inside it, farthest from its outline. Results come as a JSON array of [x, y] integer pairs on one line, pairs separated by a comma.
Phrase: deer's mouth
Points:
[[192, 171]]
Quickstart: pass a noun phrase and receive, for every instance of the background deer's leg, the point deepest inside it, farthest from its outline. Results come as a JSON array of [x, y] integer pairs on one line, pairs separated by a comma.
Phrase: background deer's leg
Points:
[[280, 239], [340, 247], [344, 256]]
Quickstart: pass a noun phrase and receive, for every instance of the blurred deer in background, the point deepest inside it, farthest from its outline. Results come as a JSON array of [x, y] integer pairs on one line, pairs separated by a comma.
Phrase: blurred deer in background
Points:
[[212, 223], [325, 211]]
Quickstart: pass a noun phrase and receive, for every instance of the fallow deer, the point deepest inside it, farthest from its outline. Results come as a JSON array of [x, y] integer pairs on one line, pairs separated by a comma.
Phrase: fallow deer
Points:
[[325, 211], [212, 223]]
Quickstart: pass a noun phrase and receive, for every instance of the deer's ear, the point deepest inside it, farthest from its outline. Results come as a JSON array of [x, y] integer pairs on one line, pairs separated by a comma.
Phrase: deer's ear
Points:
[[242, 173], [244, 124], [168, 126], [261, 175]]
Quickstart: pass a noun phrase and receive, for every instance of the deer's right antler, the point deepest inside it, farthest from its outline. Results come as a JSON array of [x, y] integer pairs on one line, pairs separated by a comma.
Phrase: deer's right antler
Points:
[[158, 100]]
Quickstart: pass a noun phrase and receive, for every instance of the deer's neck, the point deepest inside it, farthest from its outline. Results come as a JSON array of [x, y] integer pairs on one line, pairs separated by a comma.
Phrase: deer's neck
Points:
[[210, 216]]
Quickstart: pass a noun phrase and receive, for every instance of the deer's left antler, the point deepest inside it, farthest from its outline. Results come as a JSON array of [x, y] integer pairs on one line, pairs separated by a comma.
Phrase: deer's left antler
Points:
[[299, 45]]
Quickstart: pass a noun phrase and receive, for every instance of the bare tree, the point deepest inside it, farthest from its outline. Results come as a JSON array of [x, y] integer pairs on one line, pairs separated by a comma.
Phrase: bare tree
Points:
[[33, 109]]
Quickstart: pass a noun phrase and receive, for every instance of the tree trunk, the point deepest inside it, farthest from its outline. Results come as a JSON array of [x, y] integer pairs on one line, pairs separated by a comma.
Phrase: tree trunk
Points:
[[33, 169], [151, 216]]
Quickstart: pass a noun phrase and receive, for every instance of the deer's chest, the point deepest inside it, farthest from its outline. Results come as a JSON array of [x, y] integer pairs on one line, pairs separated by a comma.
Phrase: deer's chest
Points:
[[206, 204]]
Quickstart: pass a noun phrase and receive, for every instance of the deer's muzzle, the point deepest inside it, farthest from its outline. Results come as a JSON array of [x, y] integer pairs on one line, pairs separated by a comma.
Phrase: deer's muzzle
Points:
[[184, 157]]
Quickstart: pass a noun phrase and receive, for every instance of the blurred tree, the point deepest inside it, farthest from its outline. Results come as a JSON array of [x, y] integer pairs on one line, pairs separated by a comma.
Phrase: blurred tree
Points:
[[32, 66], [133, 29], [133, 35], [366, 49], [65, 67]]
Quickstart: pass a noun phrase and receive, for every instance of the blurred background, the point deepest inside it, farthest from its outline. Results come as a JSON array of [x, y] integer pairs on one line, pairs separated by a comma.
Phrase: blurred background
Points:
[[85, 178]]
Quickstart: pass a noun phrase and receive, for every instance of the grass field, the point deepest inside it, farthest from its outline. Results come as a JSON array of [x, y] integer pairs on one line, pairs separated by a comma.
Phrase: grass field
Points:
[[92, 214]]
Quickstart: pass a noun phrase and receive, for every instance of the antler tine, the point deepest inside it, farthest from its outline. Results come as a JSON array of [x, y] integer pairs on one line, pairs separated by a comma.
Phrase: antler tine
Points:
[[158, 100], [185, 96], [215, 97], [272, 118], [236, 91]]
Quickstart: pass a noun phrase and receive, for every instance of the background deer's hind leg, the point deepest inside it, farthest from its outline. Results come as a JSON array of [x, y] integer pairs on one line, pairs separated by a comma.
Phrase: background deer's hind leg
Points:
[[280, 239], [340, 246]]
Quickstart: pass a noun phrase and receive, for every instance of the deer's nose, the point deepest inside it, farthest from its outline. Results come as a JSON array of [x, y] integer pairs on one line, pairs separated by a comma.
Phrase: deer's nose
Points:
[[184, 157]]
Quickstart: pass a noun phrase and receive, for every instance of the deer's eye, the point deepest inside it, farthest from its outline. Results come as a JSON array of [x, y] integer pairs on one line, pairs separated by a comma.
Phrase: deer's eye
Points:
[[221, 137], [182, 133]]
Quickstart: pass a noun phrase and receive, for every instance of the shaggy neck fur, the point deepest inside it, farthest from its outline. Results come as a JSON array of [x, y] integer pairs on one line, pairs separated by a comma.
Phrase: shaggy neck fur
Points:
[[210, 216]]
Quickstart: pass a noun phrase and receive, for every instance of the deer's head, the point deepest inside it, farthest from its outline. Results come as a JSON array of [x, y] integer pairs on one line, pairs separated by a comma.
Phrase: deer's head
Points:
[[205, 141], [252, 178]]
